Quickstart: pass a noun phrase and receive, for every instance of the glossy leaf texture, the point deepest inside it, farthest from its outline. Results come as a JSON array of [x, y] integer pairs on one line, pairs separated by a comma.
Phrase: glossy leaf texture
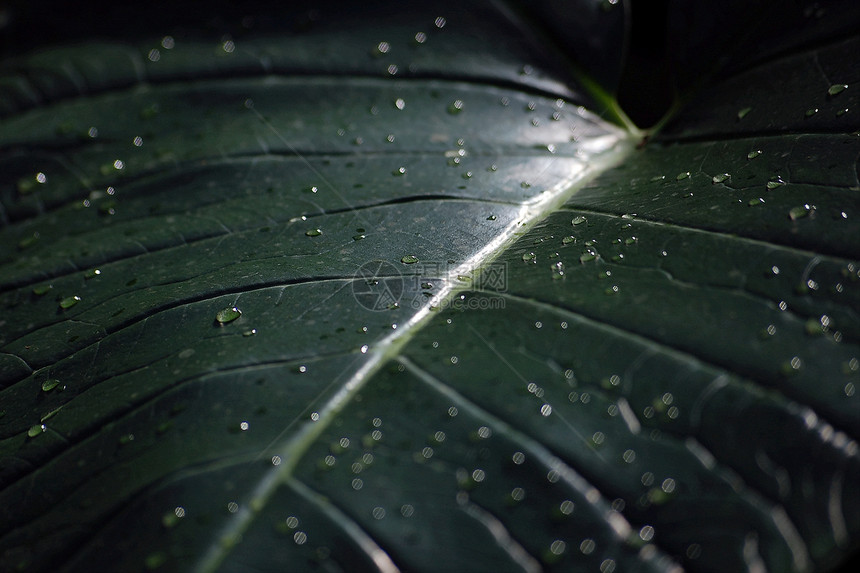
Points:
[[317, 288]]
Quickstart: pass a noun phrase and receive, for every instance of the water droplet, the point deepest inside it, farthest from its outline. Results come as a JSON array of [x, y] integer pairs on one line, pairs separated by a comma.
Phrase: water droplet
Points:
[[228, 314], [35, 430], [50, 384], [313, 232], [529, 257], [720, 178], [42, 289], [420, 38], [409, 259], [754, 154], [586, 257], [682, 176], [798, 212], [792, 366], [91, 274], [836, 89], [456, 107], [775, 181], [811, 111], [28, 241], [587, 546], [814, 327], [743, 112], [557, 547], [440, 22], [399, 171], [400, 103], [69, 302], [754, 202], [578, 220]]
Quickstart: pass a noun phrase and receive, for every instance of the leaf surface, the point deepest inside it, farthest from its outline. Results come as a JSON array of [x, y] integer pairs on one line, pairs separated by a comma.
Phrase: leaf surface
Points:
[[473, 325]]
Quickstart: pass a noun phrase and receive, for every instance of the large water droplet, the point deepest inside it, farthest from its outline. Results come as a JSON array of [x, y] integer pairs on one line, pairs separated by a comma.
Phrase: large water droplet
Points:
[[836, 89], [409, 259], [50, 384], [35, 430], [228, 314]]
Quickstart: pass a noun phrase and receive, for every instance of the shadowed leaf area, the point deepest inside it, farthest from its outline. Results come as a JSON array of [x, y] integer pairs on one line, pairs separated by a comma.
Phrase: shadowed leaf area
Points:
[[335, 287]]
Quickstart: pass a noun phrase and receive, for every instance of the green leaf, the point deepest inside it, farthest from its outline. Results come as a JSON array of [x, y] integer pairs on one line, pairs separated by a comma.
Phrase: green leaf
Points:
[[296, 288]]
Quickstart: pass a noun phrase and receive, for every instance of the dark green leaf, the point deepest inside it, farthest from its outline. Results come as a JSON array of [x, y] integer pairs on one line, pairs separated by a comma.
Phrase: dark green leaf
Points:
[[327, 288]]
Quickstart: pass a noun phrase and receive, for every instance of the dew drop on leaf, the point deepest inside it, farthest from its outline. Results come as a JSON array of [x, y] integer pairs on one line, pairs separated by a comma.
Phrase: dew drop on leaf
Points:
[[798, 212], [743, 112], [754, 154], [456, 107], [409, 259], [69, 302], [313, 232], [42, 289], [775, 182], [578, 220], [720, 178], [35, 430], [836, 89], [683, 175], [228, 314], [50, 384]]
